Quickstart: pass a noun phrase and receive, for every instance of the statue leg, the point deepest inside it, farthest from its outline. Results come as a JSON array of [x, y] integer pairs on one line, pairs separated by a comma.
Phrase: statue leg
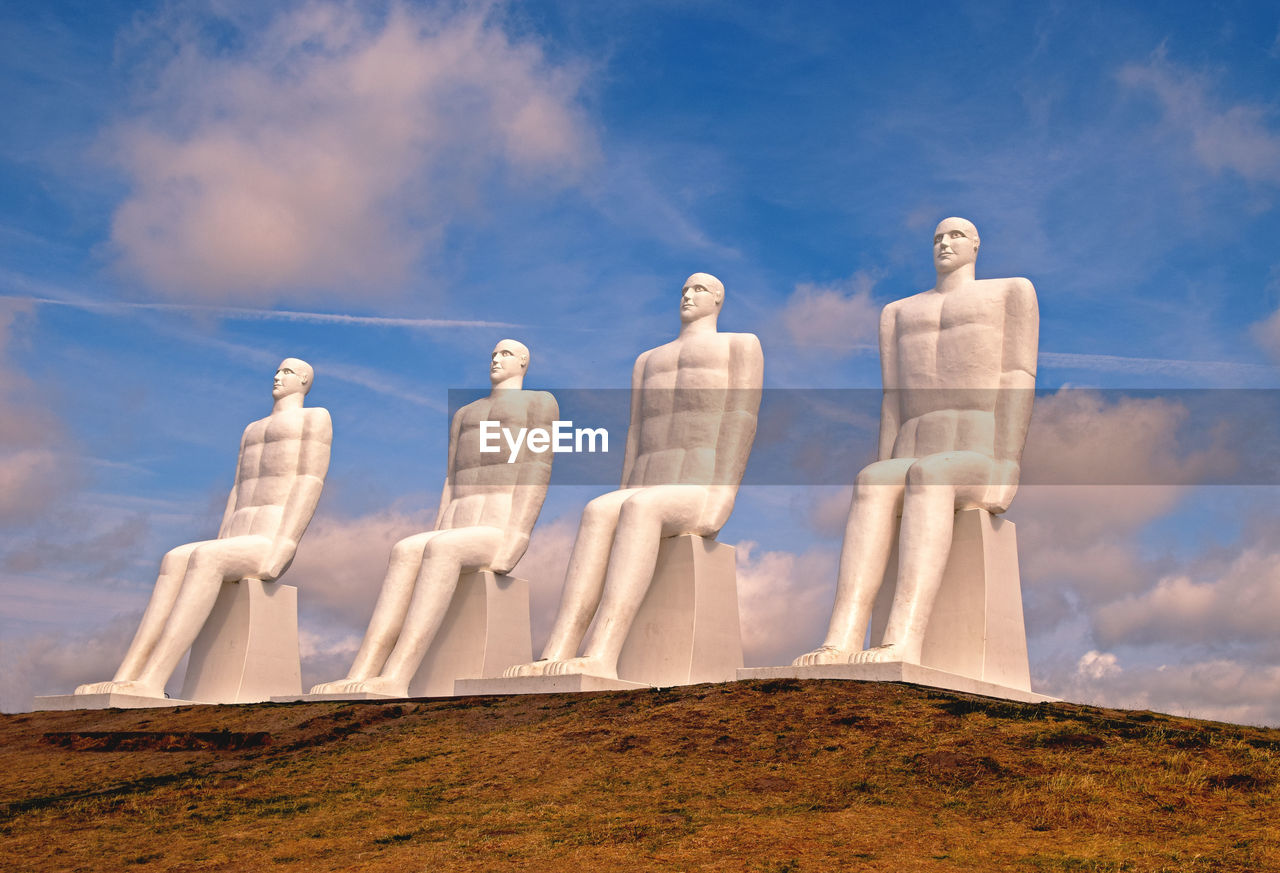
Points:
[[447, 554], [583, 582], [864, 555], [173, 566], [388, 614], [208, 565], [937, 486], [646, 517]]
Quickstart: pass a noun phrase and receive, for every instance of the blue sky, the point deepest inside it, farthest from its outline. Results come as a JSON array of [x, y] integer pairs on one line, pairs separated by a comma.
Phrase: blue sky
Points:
[[190, 192]]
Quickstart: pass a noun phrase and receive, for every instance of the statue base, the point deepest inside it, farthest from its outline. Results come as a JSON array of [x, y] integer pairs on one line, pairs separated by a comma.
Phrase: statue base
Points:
[[247, 651], [575, 682], [65, 702], [686, 630], [897, 671], [975, 641], [484, 631], [976, 627]]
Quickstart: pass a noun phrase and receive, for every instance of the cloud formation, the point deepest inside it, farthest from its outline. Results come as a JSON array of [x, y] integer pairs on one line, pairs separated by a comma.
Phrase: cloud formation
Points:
[[32, 470], [329, 149], [1239, 137], [839, 315]]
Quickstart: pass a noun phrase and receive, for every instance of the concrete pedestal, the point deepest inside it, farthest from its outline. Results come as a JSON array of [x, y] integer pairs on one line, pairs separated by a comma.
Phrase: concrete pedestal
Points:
[[542, 685], [896, 671], [247, 652], [976, 627], [65, 702], [686, 631], [248, 649], [975, 641], [484, 631]]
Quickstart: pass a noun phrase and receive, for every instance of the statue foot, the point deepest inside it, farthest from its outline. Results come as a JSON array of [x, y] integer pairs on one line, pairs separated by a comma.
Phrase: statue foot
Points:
[[535, 668], [587, 666], [823, 655], [124, 686], [380, 685], [339, 686], [880, 655]]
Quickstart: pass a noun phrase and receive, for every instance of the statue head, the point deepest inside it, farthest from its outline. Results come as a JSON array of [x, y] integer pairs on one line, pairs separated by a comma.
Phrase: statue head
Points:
[[955, 244], [510, 359], [701, 297], [293, 376]]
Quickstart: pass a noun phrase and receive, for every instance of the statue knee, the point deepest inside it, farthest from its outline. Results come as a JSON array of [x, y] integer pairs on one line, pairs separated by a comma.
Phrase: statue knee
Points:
[[879, 474], [405, 550], [930, 471], [203, 560], [598, 511]]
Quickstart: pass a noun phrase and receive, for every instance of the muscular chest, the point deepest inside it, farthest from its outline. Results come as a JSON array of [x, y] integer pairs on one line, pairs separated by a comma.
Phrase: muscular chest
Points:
[[950, 339], [691, 362], [271, 445]]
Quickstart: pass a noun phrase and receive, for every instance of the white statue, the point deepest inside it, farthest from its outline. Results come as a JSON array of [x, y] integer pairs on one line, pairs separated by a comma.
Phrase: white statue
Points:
[[279, 475], [487, 510], [693, 418], [959, 365]]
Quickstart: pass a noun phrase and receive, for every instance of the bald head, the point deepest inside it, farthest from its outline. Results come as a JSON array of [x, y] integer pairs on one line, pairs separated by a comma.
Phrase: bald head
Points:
[[701, 297], [955, 244], [509, 361], [293, 376]]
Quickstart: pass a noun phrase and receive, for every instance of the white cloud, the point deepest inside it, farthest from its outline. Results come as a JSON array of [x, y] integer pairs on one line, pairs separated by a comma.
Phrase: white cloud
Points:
[[1241, 138], [33, 469], [1266, 333], [1223, 689], [833, 316], [1096, 665], [784, 601], [329, 150], [1234, 603]]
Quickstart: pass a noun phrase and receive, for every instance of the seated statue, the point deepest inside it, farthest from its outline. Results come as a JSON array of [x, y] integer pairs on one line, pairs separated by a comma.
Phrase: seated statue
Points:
[[487, 510], [693, 418], [279, 475], [959, 365]]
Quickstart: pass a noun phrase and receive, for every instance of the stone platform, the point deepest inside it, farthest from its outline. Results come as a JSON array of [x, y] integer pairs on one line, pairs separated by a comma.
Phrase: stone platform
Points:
[[897, 671], [65, 702]]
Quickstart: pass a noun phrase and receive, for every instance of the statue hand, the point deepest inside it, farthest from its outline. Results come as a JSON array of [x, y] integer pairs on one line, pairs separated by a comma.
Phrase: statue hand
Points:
[[513, 549], [279, 560], [719, 506], [1004, 485]]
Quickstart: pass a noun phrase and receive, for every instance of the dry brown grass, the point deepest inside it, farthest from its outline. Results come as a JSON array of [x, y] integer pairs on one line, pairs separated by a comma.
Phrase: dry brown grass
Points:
[[755, 776]]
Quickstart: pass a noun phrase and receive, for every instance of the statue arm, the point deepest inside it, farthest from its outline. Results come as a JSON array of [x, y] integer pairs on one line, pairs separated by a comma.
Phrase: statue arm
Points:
[[532, 475], [446, 493], [304, 493], [1017, 385], [737, 424], [633, 433], [890, 411], [224, 529]]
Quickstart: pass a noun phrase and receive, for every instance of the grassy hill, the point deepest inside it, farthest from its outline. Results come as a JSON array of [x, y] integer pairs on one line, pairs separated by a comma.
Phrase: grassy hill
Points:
[[755, 776]]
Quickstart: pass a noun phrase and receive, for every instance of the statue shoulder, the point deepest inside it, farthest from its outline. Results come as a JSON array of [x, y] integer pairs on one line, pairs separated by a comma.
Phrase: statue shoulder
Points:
[[1020, 294], [543, 406], [744, 343], [317, 421]]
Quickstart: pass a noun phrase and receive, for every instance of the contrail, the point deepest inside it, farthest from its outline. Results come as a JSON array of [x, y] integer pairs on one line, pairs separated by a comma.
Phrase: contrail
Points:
[[232, 312]]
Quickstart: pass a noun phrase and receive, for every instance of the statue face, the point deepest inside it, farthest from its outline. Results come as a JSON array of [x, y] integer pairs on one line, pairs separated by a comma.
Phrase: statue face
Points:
[[289, 379], [509, 359], [955, 243], [697, 300]]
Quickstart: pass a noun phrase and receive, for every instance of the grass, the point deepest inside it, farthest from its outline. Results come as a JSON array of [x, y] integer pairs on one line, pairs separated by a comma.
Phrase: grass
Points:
[[753, 776]]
